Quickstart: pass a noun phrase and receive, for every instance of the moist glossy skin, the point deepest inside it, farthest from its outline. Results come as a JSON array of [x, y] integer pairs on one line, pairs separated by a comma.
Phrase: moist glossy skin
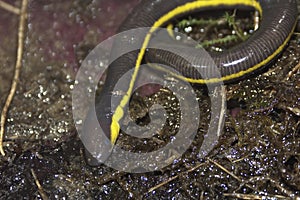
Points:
[[278, 22]]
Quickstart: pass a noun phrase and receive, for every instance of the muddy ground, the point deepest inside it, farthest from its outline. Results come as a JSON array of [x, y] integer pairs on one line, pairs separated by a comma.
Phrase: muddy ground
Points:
[[257, 155]]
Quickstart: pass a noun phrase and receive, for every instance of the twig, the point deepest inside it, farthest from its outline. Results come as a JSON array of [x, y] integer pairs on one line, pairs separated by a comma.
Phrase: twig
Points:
[[228, 172], [252, 196], [175, 177], [17, 72], [162, 183], [110, 177], [40, 188], [224, 169], [9, 8], [282, 189], [294, 70]]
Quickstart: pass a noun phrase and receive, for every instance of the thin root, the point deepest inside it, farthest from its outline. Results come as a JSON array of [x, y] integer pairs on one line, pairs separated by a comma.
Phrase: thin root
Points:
[[17, 72]]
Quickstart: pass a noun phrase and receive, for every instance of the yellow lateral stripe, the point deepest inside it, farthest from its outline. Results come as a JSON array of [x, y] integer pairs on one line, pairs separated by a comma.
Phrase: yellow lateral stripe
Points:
[[170, 30], [117, 116], [264, 62], [235, 75]]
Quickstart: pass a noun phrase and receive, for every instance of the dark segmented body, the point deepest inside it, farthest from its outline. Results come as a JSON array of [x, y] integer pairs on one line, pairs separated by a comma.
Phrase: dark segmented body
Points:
[[277, 24], [278, 21]]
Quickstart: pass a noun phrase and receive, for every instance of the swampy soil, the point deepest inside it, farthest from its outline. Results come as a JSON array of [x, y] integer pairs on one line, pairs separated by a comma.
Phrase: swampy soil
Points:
[[256, 156]]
